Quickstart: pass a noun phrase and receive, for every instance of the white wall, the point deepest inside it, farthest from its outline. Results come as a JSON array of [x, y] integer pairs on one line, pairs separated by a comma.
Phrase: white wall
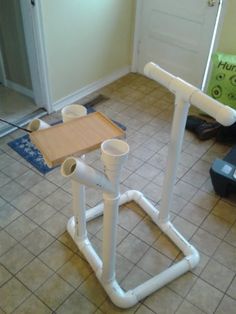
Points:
[[86, 41]]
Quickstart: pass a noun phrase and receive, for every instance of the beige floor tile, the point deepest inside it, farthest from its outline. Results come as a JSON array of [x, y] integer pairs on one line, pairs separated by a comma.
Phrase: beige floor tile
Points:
[[92, 289], [56, 224], [58, 199], [66, 239], [121, 233], [204, 296], [166, 247], [128, 218], [43, 189], [232, 289], [123, 267], [163, 301], [132, 248], [217, 275], [227, 305], [153, 192], [75, 271], [205, 242], [148, 171], [76, 303], [183, 284], [4, 179], [184, 190], [4, 275], [20, 227], [147, 231], [154, 262], [16, 258], [8, 214], [134, 278], [6, 242], [133, 163], [32, 305], [226, 255], [205, 200], [144, 310], [216, 226], [56, 177], [56, 255], [54, 292], [15, 170], [226, 211], [186, 228], [187, 308], [135, 182], [11, 190], [25, 201], [34, 274], [40, 212], [231, 235], [29, 179], [195, 178], [37, 241], [193, 213], [12, 294], [109, 308]]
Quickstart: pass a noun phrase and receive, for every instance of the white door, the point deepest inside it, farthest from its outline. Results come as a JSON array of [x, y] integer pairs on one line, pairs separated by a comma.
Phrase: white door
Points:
[[177, 35]]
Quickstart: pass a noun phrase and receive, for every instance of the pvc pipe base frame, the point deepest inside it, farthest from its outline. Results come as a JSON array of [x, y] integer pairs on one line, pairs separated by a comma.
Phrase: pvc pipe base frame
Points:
[[130, 298]]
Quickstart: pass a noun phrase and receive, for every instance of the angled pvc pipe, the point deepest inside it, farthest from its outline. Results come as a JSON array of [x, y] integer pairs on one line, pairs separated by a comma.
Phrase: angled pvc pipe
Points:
[[77, 170], [37, 124]]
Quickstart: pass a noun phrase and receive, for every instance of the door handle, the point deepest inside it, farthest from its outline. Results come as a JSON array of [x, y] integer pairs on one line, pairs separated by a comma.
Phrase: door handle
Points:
[[211, 3]]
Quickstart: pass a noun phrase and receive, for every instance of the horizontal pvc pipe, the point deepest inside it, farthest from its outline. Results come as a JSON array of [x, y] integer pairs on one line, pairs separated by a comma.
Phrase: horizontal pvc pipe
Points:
[[223, 114], [181, 243], [77, 170], [161, 279], [37, 124], [188, 93]]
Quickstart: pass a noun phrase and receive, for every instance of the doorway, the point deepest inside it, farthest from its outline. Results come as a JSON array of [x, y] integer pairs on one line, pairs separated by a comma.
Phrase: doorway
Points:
[[177, 35], [19, 102]]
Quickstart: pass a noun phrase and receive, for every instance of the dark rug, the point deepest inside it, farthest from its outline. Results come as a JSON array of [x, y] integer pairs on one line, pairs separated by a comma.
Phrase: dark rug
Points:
[[29, 152]]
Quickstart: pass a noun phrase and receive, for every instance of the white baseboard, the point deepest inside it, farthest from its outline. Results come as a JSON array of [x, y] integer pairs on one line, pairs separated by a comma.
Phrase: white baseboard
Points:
[[20, 89], [85, 91]]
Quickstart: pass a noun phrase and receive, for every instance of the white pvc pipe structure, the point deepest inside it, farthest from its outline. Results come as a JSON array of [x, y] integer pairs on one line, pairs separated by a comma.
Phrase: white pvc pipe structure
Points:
[[114, 154]]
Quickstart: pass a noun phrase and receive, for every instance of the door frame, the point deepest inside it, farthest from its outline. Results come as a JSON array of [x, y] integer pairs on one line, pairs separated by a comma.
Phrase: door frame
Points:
[[37, 53], [2, 70], [215, 38]]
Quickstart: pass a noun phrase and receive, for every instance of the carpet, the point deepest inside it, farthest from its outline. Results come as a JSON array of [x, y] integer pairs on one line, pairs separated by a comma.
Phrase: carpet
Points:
[[29, 152]]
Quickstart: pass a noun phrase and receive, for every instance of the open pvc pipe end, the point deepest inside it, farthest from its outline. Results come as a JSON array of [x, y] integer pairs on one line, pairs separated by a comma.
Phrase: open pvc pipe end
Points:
[[68, 167], [37, 124], [115, 148], [34, 125]]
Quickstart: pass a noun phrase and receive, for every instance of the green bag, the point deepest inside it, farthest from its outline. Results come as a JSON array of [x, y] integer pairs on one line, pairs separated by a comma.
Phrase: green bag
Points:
[[222, 85]]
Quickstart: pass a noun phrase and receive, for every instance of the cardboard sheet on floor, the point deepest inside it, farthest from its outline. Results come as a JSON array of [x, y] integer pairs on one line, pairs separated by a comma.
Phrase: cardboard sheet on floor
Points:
[[75, 137]]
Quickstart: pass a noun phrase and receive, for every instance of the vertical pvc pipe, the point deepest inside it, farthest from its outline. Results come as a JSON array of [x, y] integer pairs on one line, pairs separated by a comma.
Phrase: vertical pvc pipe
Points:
[[78, 206], [174, 150], [69, 113], [114, 154]]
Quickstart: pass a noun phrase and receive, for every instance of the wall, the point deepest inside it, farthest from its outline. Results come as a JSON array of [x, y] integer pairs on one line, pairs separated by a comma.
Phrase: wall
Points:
[[86, 41], [12, 43], [227, 43]]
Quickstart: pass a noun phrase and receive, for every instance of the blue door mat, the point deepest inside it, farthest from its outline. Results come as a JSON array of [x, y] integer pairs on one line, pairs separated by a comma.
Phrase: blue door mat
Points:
[[30, 153]]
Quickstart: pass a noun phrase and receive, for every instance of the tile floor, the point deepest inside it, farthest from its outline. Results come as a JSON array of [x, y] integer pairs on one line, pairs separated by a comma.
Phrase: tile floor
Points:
[[41, 270]]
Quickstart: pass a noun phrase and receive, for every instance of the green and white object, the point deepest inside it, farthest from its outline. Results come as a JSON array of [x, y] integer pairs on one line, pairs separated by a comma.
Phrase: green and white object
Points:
[[222, 85]]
